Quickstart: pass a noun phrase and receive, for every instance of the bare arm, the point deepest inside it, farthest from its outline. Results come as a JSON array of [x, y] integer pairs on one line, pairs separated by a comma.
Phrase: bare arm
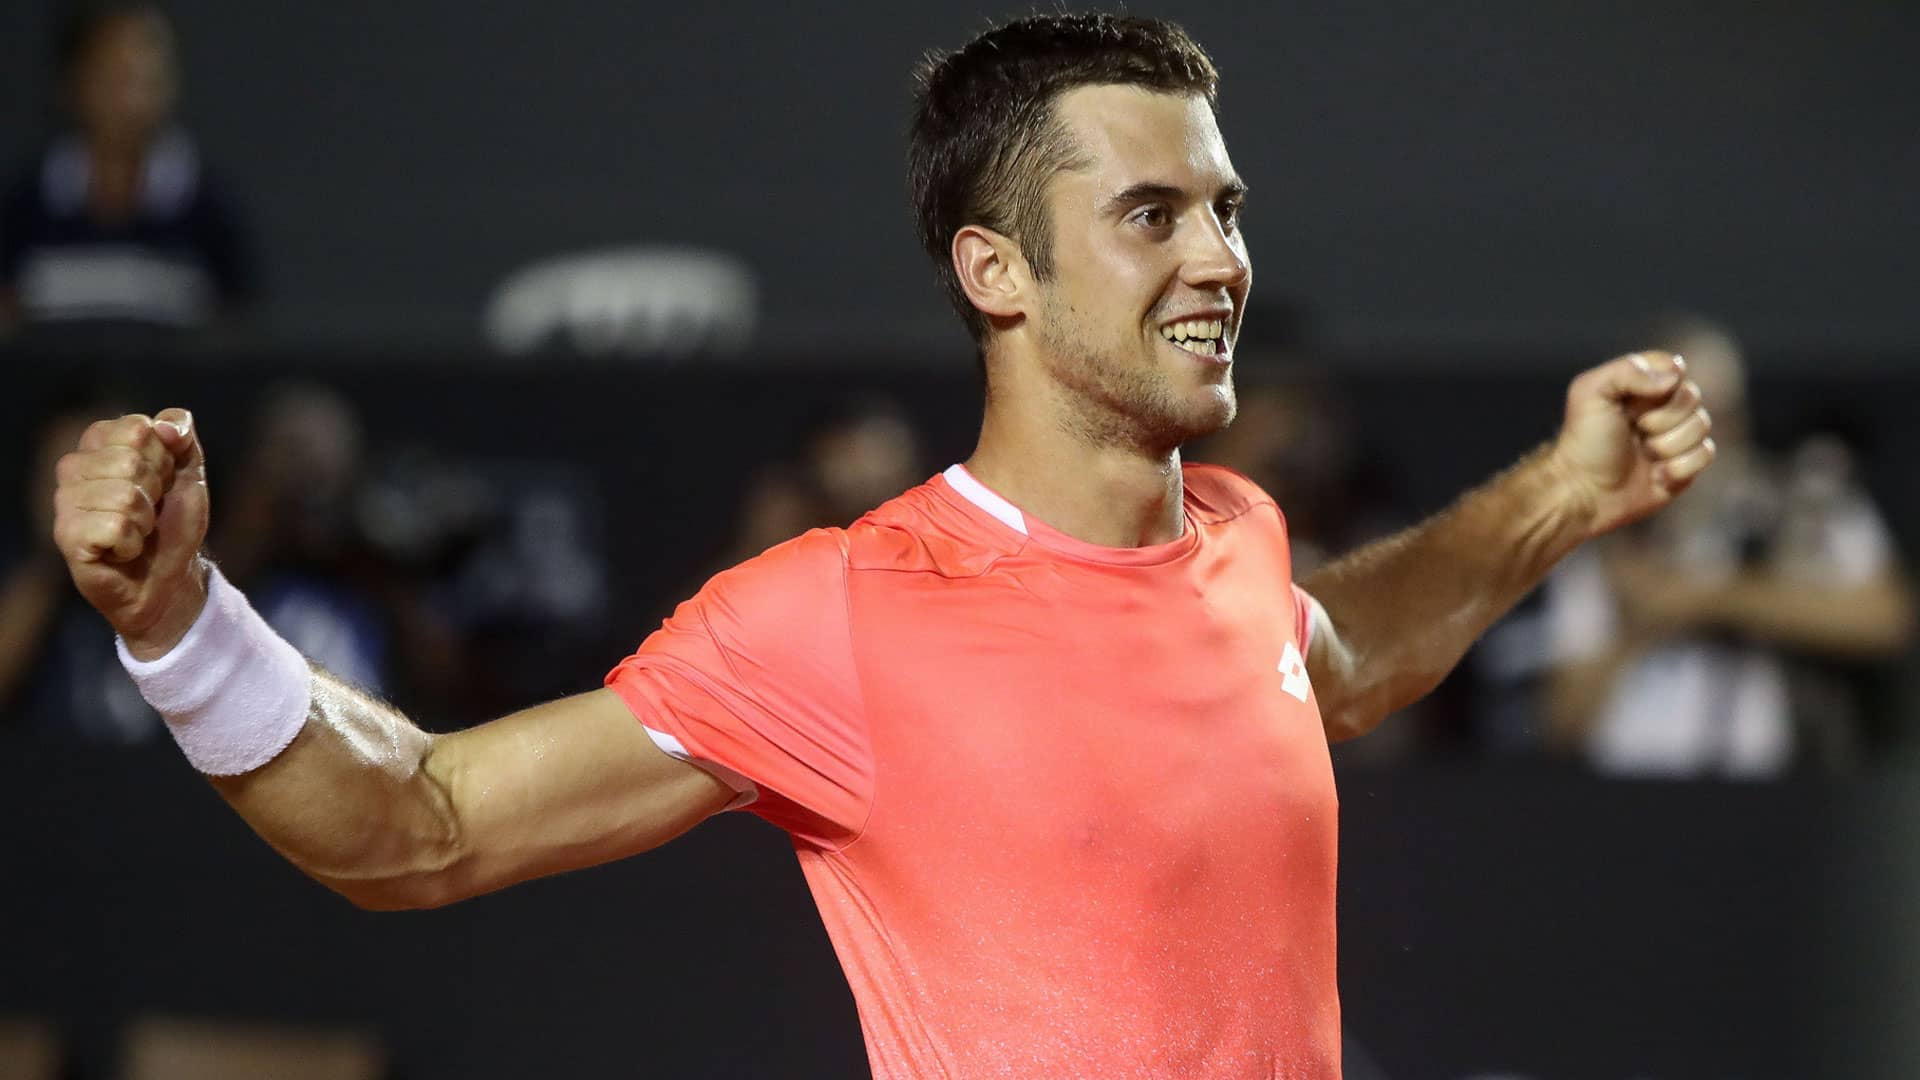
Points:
[[1867, 619], [1403, 611], [1400, 613], [392, 817], [362, 799]]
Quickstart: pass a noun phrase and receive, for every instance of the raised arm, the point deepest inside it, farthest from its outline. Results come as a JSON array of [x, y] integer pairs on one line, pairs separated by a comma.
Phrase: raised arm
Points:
[[344, 786], [391, 817], [1399, 614]]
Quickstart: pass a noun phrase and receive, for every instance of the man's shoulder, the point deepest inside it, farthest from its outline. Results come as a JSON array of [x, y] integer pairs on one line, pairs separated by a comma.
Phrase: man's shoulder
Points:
[[1217, 494], [815, 558], [926, 530], [918, 531]]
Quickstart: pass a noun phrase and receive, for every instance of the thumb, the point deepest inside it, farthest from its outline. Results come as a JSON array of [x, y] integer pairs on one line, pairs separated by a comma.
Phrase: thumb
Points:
[[182, 524], [1643, 375], [178, 435]]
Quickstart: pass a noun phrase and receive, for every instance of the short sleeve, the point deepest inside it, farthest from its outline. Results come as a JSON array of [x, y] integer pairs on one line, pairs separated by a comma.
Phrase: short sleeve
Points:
[[756, 675]]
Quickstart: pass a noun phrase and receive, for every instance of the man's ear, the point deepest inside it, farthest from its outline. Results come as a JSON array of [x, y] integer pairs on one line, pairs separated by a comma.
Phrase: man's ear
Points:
[[992, 271]]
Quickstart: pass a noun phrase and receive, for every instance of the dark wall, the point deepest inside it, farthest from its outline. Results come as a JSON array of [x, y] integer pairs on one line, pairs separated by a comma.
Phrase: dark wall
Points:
[[1510, 173]]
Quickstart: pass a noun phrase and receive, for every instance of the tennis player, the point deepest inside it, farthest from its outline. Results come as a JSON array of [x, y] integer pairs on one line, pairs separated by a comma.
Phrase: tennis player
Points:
[[1049, 731]]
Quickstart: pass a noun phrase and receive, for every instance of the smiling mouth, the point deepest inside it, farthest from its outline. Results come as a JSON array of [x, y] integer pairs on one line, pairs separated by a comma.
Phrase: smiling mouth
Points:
[[1202, 337]]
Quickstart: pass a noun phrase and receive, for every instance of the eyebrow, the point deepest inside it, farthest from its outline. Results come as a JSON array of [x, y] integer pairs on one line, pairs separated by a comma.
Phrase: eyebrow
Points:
[[1151, 192]]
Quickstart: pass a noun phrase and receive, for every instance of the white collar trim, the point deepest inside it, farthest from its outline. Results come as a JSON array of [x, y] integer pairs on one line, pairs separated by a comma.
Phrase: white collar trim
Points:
[[977, 493]]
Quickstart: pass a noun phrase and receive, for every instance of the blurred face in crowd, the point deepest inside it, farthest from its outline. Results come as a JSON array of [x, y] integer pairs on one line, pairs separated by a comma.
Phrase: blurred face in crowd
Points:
[[1150, 271], [125, 80], [305, 462], [862, 464], [1714, 361]]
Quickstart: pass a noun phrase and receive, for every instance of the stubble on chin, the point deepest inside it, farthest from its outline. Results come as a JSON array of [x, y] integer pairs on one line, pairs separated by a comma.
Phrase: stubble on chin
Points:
[[1108, 402]]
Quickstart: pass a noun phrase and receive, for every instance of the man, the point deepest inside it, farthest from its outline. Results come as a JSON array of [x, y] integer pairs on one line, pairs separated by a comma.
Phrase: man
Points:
[[1050, 730], [118, 223]]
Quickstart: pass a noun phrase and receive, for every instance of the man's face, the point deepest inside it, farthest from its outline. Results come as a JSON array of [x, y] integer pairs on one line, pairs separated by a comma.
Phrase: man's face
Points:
[[124, 86], [1150, 272]]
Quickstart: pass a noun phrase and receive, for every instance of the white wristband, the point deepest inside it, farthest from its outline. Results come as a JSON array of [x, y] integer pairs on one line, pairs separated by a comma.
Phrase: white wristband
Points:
[[233, 692]]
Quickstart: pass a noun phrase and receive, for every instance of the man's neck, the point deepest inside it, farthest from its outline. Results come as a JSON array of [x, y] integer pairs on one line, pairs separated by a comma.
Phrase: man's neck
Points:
[[1111, 495], [115, 166]]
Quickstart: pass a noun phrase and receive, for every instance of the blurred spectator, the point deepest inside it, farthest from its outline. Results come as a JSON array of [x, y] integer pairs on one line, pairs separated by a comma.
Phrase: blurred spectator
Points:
[[1708, 641], [850, 460], [450, 586], [288, 533], [59, 676], [116, 223]]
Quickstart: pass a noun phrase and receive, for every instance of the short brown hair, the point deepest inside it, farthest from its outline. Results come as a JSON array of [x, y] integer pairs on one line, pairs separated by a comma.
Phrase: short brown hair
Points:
[[985, 140]]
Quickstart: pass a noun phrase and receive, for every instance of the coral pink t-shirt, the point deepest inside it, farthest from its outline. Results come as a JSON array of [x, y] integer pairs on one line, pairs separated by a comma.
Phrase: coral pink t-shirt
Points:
[[1066, 810]]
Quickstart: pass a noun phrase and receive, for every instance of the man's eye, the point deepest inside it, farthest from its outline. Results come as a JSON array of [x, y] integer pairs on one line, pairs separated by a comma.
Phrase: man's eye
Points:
[[1230, 215], [1153, 217]]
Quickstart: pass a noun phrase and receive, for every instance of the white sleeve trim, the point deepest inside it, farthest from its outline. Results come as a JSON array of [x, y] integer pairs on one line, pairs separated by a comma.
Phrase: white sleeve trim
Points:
[[673, 748], [985, 498], [1316, 615]]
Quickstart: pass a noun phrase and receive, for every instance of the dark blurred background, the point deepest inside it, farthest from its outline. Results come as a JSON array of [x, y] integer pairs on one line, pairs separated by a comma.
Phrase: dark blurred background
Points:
[[506, 328]]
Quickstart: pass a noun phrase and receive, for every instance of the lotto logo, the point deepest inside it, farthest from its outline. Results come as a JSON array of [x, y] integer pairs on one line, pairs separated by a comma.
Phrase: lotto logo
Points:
[[1293, 670]]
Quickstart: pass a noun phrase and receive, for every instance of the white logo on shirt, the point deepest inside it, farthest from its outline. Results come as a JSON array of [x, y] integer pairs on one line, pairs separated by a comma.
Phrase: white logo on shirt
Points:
[[1295, 671]]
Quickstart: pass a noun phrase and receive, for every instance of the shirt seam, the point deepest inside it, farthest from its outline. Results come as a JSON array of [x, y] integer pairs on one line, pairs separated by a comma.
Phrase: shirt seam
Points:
[[726, 654], [860, 693]]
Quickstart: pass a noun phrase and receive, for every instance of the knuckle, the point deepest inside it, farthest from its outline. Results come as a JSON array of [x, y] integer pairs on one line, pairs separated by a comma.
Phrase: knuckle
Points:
[[118, 463]]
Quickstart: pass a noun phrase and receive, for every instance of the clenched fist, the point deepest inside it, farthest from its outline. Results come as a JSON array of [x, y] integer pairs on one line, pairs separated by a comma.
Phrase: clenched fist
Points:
[[130, 513], [1635, 435]]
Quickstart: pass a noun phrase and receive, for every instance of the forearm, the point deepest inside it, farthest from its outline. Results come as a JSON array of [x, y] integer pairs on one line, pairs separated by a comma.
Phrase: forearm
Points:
[[339, 783], [1865, 622], [1406, 609], [353, 801]]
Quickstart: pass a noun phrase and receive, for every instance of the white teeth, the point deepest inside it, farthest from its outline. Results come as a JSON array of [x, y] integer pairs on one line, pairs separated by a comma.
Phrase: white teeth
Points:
[[1208, 330]]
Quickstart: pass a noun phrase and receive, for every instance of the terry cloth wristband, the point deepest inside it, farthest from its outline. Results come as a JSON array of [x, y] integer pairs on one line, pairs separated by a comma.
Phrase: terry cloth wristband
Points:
[[233, 692]]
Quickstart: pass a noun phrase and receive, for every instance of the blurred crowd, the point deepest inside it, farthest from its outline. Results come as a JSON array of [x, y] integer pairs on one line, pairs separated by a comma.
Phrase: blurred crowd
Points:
[[1745, 633]]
